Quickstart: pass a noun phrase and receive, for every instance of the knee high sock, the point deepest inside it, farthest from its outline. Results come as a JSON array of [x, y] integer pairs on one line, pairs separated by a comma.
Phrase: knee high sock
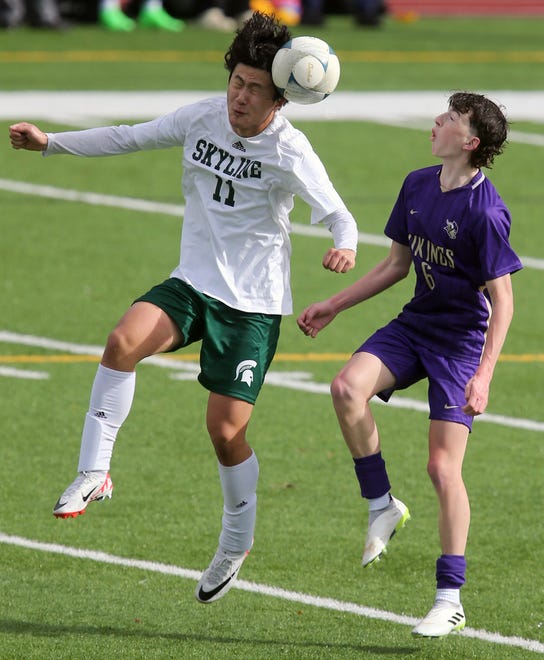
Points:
[[450, 577], [372, 476], [239, 484], [111, 400]]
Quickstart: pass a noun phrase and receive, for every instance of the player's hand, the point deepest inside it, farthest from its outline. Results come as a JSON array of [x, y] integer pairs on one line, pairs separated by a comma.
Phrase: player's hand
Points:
[[339, 261], [27, 136], [476, 395], [315, 317]]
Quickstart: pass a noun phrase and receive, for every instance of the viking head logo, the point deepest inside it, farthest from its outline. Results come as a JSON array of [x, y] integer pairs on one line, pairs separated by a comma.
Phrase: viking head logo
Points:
[[451, 228], [244, 371]]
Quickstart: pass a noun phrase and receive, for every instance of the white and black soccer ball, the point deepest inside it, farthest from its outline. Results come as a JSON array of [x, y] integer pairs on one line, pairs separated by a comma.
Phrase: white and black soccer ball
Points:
[[305, 70]]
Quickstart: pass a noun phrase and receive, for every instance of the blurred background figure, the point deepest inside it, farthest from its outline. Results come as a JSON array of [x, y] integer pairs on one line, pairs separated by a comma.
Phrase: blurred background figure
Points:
[[36, 13], [224, 16], [151, 15], [288, 12], [367, 13]]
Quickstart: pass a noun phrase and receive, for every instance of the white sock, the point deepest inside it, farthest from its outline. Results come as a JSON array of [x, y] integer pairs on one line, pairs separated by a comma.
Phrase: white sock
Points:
[[451, 595], [378, 503], [376, 506], [239, 484], [111, 400]]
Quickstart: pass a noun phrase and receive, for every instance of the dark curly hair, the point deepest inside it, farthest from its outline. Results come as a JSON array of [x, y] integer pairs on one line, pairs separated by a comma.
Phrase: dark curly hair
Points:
[[256, 43], [487, 121]]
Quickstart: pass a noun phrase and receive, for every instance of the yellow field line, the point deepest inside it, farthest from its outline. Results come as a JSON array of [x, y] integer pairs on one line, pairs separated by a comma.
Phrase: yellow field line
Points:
[[41, 359], [194, 357], [172, 56]]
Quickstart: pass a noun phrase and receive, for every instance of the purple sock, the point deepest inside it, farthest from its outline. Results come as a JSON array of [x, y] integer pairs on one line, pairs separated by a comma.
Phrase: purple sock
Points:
[[372, 476], [450, 571]]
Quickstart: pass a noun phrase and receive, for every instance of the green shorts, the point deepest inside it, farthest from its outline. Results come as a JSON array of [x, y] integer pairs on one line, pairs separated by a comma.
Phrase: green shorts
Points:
[[237, 347]]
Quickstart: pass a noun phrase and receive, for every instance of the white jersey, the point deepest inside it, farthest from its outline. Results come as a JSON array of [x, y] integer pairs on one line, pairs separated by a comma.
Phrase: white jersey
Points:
[[238, 193]]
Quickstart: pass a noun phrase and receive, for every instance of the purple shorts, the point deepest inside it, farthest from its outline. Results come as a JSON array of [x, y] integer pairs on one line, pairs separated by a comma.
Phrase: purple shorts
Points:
[[410, 362]]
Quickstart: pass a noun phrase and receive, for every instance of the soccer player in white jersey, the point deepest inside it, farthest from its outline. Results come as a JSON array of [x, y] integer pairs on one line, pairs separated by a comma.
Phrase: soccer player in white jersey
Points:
[[451, 224], [243, 162]]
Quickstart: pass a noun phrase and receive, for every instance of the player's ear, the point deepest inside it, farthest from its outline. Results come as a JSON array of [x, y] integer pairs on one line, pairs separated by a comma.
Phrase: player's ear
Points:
[[280, 102], [472, 143]]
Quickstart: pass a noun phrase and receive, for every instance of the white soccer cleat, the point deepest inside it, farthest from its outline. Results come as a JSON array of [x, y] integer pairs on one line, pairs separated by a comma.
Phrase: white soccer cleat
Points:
[[220, 575], [443, 618], [379, 533], [87, 487]]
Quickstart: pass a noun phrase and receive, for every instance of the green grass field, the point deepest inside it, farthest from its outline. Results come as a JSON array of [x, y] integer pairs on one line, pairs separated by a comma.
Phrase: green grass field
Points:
[[70, 269]]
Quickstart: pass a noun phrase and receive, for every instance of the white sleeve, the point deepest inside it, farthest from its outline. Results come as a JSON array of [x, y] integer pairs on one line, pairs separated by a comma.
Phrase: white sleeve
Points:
[[107, 141], [343, 228], [161, 133]]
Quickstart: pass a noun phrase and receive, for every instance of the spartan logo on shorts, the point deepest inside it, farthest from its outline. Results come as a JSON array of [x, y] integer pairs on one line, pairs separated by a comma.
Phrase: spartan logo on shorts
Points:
[[244, 371]]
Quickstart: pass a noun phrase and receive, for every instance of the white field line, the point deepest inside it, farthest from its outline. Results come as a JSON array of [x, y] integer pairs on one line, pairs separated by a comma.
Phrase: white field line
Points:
[[412, 109], [298, 381], [11, 372], [95, 199], [262, 589], [302, 381], [146, 206]]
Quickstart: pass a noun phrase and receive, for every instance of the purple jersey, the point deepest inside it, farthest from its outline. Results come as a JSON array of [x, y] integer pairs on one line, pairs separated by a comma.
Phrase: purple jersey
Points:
[[459, 239]]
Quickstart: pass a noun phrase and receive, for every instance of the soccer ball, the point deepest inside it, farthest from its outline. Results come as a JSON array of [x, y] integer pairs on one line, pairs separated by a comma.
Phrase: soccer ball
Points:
[[305, 70]]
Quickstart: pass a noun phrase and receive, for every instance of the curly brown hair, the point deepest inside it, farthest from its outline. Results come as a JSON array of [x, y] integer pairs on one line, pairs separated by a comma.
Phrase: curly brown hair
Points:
[[256, 43], [488, 123]]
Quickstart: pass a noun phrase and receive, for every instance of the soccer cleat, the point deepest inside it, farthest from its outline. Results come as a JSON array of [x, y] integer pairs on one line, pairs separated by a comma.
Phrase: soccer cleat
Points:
[[87, 487], [158, 18], [381, 530], [116, 20], [443, 618], [220, 575]]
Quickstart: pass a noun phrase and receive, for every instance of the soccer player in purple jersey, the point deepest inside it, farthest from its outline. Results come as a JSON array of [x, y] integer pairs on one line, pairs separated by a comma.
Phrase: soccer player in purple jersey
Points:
[[451, 224]]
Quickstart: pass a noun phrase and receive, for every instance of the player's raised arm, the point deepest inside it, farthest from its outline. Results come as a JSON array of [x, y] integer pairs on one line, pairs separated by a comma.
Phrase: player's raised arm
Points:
[[27, 136]]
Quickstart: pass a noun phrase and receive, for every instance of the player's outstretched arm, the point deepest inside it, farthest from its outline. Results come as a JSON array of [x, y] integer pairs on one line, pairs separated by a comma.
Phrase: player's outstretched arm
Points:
[[392, 269], [27, 136]]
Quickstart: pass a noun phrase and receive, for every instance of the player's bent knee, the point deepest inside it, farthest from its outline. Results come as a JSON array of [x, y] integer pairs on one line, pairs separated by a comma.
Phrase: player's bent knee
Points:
[[121, 352], [118, 343], [342, 391]]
